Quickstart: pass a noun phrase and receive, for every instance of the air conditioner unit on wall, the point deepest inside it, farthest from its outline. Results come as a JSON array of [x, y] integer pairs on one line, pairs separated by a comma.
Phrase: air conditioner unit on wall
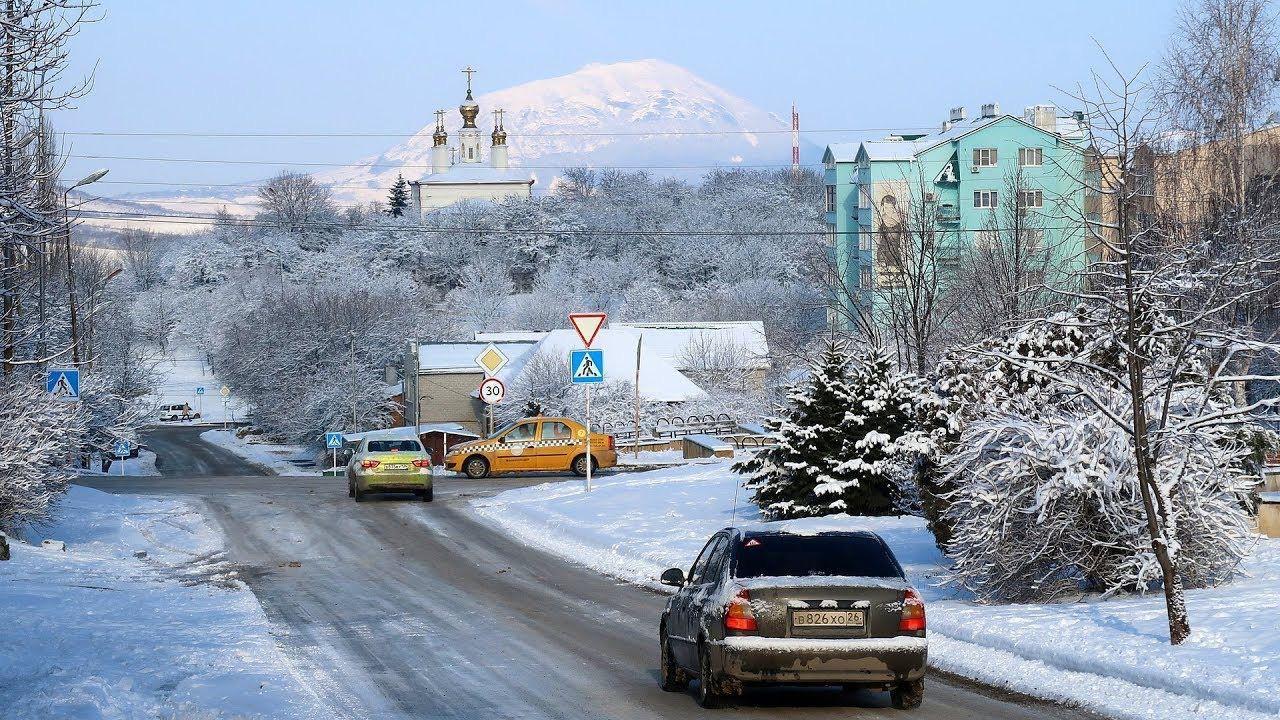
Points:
[[974, 168]]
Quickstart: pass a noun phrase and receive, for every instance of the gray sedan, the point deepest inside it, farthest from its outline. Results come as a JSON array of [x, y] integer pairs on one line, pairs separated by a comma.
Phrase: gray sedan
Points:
[[766, 606]]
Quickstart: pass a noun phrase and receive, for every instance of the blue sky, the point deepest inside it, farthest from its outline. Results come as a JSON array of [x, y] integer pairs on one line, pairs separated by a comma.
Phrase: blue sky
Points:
[[339, 66]]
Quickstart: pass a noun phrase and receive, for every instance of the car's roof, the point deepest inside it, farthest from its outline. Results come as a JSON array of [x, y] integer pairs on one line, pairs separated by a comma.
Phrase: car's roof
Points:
[[750, 532]]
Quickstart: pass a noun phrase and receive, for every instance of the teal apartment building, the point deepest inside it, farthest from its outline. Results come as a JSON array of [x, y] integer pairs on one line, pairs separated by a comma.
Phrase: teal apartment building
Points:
[[955, 183]]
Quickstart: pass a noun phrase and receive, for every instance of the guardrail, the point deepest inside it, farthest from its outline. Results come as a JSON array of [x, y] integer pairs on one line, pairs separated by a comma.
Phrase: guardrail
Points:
[[677, 426]]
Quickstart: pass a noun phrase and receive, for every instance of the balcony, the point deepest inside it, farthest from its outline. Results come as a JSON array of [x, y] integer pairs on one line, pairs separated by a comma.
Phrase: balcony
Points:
[[948, 214]]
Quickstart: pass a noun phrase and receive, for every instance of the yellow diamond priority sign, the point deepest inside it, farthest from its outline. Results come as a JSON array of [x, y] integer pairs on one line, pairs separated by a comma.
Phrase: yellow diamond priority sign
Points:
[[491, 360]]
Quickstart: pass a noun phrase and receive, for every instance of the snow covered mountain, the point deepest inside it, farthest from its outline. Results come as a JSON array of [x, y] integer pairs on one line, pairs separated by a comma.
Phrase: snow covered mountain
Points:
[[602, 115]]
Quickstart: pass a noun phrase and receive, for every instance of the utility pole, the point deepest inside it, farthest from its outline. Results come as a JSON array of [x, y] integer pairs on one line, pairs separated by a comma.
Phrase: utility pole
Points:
[[639, 341], [354, 375]]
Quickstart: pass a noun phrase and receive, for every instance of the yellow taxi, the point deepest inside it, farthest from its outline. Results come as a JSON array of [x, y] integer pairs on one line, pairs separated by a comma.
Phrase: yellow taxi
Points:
[[537, 444]]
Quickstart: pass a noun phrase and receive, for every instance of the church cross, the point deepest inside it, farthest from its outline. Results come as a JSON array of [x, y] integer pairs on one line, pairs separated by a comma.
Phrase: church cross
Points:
[[468, 72]]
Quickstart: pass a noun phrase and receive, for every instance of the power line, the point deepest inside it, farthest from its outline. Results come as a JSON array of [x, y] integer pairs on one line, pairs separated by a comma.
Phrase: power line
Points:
[[305, 163], [583, 133]]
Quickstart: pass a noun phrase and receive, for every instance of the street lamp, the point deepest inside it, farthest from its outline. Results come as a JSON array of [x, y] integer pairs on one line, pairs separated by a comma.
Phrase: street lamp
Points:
[[71, 274]]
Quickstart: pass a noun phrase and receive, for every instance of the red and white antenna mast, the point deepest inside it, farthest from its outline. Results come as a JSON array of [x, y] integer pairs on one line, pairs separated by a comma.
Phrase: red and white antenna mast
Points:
[[795, 140]]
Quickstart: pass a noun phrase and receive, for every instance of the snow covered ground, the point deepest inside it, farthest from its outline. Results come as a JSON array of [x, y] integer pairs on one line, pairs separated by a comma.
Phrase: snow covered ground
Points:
[[98, 631], [181, 374], [1111, 656], [276, 458]]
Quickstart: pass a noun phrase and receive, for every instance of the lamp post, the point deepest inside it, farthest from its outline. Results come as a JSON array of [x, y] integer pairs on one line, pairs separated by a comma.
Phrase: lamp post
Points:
[[71, 274]]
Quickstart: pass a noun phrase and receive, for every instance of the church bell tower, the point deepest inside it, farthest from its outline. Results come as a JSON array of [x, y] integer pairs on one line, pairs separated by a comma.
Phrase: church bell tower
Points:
[[469, 136]]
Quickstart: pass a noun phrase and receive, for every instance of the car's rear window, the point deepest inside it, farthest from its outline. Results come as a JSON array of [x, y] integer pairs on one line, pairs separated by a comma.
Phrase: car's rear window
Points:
[[395, 446], [804, 555]]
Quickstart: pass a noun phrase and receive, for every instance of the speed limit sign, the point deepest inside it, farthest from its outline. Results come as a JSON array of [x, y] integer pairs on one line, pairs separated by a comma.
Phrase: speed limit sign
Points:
[[492, 391]]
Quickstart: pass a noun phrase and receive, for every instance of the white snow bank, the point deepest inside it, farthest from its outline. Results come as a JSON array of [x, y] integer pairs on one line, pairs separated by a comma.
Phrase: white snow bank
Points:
[[103, 631], [276, 458], [1109, 656]]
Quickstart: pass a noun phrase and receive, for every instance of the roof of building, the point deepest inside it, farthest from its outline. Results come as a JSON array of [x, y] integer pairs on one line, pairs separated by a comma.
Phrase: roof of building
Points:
[[841, 152], [680, 342], [461, 356], [659, 381], [406, 432], [892, 149], [477, 173]]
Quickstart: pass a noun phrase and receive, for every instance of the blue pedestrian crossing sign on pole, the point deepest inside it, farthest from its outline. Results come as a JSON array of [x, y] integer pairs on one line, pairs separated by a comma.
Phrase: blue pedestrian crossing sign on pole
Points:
[[120, 448], [333, 440], [63, 384], [199, 391], [587, 366]]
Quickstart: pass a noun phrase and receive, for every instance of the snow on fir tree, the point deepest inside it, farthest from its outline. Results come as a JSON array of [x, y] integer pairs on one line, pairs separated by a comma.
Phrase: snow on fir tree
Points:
[[848, 443], [398, 199]]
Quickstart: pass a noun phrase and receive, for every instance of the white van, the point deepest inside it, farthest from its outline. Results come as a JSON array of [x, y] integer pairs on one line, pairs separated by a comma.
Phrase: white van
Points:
[[177, 412]]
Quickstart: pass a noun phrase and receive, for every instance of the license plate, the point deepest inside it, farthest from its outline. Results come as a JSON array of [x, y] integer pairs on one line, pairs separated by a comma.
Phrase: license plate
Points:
[[396, 467], [828, 618]]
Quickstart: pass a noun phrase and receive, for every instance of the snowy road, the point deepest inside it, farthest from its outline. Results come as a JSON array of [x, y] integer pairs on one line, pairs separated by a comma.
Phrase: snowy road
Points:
[[399, 609], [180, 453]]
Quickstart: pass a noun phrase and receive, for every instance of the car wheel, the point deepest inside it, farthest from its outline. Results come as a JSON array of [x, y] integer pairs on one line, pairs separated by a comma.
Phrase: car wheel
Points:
[[580, 465], [428, 495], [476, 468], [359, 494], [908, 695], [674, 678], [351, 489], [708, 687]]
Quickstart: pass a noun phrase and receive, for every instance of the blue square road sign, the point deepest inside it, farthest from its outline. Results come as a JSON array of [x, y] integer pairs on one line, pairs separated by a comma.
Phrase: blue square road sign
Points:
[[587, 366], [333, 440]]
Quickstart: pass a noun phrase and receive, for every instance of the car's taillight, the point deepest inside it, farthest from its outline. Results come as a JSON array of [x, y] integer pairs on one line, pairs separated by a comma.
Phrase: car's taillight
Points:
[[738, 615], [422, 463], [912, 613], [366, 464]]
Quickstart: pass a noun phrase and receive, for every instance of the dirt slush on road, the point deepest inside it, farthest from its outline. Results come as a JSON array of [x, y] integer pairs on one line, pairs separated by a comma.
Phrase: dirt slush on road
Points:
[[402, 609]]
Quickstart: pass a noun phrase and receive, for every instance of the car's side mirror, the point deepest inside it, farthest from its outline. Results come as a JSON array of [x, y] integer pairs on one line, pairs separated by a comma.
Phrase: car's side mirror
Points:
[[673, 577]]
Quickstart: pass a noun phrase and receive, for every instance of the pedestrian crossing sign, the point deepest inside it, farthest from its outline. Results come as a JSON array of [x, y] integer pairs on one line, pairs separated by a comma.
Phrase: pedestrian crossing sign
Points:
[[63, 384], [587, 366], [333, 440]]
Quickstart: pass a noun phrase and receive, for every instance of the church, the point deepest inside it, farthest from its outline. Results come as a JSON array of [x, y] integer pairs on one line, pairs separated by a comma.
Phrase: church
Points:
[[461, 173]]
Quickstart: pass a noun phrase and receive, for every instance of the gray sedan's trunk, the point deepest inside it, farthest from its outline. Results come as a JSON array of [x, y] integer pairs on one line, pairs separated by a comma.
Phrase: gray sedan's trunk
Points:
[[825, 607]]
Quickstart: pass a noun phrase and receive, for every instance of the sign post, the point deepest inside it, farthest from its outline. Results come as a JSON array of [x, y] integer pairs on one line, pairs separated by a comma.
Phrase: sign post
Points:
[[491, 360], [120, 448], [225, 392], [587, 367], [200, 401], [333, 441]]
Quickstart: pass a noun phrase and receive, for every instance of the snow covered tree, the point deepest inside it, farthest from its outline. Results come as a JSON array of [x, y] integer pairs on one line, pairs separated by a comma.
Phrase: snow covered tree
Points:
[[786, 478], [893, 421], [398, 199], [1042, 496]]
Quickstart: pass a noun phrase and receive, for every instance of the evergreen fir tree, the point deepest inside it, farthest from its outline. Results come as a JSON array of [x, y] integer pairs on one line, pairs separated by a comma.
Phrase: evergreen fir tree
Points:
[[785, 477], [398, 200], [888, 427]]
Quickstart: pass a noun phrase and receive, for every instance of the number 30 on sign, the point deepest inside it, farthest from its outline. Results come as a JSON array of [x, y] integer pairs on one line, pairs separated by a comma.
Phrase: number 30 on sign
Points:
[[492, 391]]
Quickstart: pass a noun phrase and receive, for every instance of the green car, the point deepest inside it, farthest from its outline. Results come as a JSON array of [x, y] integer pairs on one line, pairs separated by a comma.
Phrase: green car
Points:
[[389, 466]]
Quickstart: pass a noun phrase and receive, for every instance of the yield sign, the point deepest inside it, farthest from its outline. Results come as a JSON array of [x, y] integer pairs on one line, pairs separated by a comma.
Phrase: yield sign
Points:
[[587, 325]]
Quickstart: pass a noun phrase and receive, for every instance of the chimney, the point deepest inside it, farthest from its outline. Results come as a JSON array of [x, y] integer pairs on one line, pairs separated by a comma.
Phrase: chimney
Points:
[[990, 110], [946, 125], [957, 114], [1044, 117]]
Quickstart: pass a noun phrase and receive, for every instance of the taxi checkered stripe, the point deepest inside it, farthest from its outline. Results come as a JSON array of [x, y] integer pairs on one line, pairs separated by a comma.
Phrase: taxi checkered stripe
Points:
[[536, 444]]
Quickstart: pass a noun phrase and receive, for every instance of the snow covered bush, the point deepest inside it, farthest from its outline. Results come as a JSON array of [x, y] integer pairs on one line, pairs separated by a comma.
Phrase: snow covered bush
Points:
[[1037, 494], [849, 443], [38, 436]]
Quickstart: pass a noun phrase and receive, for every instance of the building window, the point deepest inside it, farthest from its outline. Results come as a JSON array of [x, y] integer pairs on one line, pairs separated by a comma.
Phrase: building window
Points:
[[984, 157], [831, 235], [471, 153], [984, 198], [864, 196], [864, 241], [831, 198], [1030, 198], [1030, 157], [864, 277], [986, 240], [1033, 239]]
